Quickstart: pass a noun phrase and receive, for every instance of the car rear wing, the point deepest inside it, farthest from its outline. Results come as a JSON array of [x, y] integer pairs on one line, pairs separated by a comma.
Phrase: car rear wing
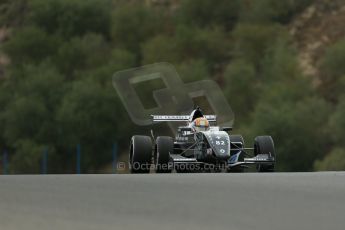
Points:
[[160, 118]]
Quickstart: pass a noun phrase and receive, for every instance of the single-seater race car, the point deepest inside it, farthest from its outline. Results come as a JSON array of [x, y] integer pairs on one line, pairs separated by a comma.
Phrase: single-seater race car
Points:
[[199, 147]]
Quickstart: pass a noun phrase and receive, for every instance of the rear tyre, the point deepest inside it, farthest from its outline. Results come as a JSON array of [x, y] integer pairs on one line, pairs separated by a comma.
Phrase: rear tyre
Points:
[[140, 154], [164, 147], [264, 145]]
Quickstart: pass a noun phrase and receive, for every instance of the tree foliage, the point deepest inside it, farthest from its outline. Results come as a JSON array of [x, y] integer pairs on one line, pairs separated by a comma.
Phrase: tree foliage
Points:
[[337, 123], [333, 71], [334, 161], [72, 18], [205, 13], [241, 88], [299, 131], [58, 92], [252, 41], [271, 10], [132, 25]]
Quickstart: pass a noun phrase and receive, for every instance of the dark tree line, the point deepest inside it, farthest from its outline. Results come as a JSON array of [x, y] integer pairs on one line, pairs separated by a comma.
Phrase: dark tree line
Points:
[[57, 91]]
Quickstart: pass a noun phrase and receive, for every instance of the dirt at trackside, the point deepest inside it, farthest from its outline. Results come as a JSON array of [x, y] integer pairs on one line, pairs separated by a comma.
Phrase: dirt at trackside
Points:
[[4, 61], [320, 25]]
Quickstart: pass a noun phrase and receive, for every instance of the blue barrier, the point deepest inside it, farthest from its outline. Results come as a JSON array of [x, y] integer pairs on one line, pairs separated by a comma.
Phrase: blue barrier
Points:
[[44, 161], [78, 159], [5, 162], [114, 164]]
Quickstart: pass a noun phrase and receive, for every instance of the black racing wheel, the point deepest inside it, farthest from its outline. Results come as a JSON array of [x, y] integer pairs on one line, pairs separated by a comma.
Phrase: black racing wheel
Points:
[[264, 145], [140, 154], [164, 147]]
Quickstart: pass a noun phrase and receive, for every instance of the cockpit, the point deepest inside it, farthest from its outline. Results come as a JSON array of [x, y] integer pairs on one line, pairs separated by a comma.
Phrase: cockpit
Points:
[[198, 122]]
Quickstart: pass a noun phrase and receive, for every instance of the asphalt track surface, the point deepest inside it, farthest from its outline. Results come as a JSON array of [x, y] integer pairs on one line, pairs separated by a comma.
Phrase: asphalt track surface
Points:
[[175, 201]]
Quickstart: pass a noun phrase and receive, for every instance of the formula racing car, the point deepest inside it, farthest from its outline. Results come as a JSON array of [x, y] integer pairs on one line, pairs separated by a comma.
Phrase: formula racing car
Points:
[[199, 146]]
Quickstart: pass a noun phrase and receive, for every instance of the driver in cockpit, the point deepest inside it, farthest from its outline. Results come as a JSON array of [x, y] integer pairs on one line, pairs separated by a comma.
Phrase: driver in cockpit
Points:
[[197, 121]]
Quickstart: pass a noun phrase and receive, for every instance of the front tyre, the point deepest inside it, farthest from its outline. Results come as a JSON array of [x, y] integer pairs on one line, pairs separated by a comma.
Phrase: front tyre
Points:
[[164, 147], [264, 145], [140, 154]]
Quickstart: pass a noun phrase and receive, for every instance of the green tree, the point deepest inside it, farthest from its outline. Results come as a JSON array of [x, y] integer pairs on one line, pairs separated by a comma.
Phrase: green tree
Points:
[[272, 11], [29, 114], [280, 62], [204, 13], [72, 18], [290, 111], [161, 48], [252, 41], [241, 88], [81, 54], [209, 44], [333, 71], [89, 115], [337, 123], [119, 59], [27, 158], [132, 25], [193, 70], [334, 161], [189, 43], [299, 131], [12, 12], [30, 45]]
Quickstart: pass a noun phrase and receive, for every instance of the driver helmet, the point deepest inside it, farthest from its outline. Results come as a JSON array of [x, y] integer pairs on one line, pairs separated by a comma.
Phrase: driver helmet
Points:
[[200, 124]]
